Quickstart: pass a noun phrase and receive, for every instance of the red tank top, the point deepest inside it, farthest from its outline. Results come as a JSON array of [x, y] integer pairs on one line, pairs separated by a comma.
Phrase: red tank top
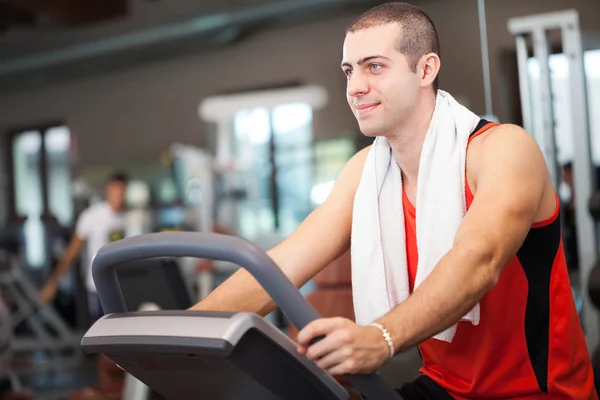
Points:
[[529, 343]]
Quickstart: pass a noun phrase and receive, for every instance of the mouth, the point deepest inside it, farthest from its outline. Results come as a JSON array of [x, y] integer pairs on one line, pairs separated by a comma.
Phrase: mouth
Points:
[[364, 109]]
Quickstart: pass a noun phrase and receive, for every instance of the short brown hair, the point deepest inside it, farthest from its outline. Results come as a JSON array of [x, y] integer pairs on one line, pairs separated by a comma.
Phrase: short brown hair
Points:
[[419, 36]]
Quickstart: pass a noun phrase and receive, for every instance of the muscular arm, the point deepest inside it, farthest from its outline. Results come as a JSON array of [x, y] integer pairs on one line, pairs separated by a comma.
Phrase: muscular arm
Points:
[[321, 238], [511, 179]]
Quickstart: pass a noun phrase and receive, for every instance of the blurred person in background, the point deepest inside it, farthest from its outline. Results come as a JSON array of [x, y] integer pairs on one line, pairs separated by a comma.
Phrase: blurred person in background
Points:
[[97, 226]]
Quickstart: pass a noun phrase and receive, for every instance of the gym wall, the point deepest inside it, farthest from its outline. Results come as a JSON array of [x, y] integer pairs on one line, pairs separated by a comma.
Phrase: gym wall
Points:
[[460, 45], [129, 117], [157, 104]]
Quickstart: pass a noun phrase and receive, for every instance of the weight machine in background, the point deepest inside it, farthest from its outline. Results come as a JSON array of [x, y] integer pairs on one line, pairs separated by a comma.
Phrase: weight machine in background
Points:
[[539, 97], [198, 180], [42, 340]]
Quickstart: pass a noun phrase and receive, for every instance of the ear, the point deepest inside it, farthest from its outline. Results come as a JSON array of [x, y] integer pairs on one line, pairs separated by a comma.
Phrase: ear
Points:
[[429, 67]]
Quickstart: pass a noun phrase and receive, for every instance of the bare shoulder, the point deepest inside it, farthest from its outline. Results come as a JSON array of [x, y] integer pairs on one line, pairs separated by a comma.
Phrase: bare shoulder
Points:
[[358, 159], [508, 147], [507, 158], [352, 172], [504, 137]]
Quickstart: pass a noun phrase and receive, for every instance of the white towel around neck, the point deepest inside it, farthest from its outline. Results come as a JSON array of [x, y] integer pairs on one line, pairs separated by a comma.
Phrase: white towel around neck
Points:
[[378, 249]]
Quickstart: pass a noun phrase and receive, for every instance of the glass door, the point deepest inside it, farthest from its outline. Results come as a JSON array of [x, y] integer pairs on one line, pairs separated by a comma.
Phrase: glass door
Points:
[[28, 193], [41, 195]]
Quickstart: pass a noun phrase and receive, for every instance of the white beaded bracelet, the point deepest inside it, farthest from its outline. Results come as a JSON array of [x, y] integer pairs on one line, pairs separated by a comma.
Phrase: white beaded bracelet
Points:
[[386, 336]]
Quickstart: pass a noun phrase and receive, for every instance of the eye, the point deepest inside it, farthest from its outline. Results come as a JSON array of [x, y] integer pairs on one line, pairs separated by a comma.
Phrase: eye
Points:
[[347, 72], [375, 67]]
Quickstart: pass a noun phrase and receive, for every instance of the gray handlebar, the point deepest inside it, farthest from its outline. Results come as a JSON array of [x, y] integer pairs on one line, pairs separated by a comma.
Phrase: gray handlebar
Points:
[[216, 247], [200, 245]]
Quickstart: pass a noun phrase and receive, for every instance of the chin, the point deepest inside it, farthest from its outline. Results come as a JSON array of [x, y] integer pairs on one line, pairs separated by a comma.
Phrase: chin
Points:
[[369, 134], [369, 130]]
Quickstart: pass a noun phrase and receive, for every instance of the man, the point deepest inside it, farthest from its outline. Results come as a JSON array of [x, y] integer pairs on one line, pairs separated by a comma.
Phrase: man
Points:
[[98, 225], [506, 256]]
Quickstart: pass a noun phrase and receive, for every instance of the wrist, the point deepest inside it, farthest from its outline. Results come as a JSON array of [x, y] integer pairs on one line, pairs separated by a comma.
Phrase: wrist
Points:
[[385, 338]]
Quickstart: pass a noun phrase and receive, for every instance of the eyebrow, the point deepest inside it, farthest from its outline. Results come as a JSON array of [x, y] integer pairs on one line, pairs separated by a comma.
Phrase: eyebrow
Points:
[[364, 60]]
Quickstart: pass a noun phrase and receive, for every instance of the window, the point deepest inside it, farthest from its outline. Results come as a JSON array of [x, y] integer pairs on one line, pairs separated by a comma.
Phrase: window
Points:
[[293, 139], [276, 144], [265, 162], [40, 187], [58, 162], [330, 157], [559, 75], [28, 201]]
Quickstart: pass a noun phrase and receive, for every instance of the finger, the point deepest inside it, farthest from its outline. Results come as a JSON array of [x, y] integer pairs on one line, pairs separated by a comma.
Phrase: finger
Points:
[[348, 366], [334, 358], [332, 342], [319, 327], [302, 349]]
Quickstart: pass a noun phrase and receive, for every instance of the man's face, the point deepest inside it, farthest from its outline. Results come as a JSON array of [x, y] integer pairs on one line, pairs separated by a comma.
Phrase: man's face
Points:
[[115, 194], [381, 88]]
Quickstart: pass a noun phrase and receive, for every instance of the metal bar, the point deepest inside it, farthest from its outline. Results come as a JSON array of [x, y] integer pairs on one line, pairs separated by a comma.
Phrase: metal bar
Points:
[[584, 178], [552, 20], [35, 325], [134, 389], [541, 53], [273, 187], [485, 61], [525, 89], [42, 167], [47, 312]]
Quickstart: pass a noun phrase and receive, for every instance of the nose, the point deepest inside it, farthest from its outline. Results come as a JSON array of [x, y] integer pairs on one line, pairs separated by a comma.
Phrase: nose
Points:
[[357, 85]]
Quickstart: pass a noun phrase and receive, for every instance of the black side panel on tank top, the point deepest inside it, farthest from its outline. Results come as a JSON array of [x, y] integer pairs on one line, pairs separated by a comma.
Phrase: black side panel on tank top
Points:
[[480, 125], [537, 255]]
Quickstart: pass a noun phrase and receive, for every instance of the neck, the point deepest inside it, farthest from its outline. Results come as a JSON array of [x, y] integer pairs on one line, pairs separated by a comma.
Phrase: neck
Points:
[[407, 140]]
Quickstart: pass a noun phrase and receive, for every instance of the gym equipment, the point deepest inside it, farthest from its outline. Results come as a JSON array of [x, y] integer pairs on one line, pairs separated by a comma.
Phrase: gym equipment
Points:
[[133, 388], [10, 385], [149, 284], [49, 332], [158, 281], [542, 125], [594, 285], [217, 355], [593, 290], [594, 205], [485, 62]]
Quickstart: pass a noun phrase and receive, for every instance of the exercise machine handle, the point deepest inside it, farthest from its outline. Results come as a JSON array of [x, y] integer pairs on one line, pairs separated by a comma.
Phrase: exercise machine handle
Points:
[[216, 247], [200, 245]]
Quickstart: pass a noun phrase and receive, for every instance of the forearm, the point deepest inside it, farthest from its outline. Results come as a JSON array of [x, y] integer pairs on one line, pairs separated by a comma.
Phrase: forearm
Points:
[[456, 284], [67, 260], [240, 293], [60, 269], [63, 266]]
